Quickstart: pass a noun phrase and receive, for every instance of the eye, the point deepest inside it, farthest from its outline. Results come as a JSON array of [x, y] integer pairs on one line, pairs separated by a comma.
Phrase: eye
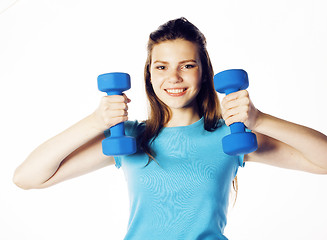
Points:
[[160, 67], [189, 66]]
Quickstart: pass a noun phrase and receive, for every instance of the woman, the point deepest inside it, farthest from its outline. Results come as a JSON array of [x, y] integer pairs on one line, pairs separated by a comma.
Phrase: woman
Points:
[[179, 179]]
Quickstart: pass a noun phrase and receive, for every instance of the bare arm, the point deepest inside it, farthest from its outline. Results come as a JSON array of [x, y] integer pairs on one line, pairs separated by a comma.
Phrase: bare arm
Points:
[[75, 151], [280, 143], [289, 145]]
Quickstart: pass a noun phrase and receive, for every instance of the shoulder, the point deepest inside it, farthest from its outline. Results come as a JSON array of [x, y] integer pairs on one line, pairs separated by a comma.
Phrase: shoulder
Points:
[[221, 123], [221, 126], [134, 128]]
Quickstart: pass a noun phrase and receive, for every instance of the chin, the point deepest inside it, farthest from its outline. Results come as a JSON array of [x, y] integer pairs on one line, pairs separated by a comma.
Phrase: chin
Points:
[[181, 106]]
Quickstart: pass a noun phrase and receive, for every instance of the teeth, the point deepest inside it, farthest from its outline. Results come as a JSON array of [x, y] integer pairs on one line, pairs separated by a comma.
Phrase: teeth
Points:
[[179, 90]]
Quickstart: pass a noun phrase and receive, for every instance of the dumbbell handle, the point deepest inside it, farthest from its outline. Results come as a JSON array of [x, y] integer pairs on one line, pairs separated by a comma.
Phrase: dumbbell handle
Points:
[[231, 90], [119, 129], [237, 127]]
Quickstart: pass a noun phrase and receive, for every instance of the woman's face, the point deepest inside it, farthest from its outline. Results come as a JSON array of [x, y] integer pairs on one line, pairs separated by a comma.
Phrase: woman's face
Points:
[[176, 73]]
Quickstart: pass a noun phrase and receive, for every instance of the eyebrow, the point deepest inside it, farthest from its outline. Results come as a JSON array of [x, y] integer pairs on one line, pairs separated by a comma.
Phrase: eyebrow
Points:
[[184, 61]]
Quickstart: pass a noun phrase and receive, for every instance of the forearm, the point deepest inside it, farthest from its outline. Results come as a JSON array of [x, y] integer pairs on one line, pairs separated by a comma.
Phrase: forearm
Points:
[[310, 143], [44, 161]]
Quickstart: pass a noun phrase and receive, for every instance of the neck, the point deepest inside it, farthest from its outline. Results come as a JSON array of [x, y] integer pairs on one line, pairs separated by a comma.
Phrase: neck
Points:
[[183, 117]]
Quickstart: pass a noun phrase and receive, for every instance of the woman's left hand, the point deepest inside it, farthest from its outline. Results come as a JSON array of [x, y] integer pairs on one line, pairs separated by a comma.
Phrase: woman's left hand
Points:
[[238, 107]]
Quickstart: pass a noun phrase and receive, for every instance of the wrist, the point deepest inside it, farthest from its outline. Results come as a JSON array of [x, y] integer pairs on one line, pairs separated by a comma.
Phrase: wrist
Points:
[[260, 118], [94, 124]]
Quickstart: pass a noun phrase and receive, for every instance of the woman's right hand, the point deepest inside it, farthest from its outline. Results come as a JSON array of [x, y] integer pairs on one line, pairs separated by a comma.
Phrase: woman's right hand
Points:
[[111, 111]]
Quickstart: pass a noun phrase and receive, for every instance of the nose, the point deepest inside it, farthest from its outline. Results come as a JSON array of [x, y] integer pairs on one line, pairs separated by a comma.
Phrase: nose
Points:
[[175, 77]]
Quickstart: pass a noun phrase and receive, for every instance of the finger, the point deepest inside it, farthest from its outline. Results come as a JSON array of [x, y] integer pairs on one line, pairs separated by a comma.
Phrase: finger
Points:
[[114, 98], [119, 119], [127, 100], [235, 95], [117, 106], [236, 111], [236, 103], [240, 117], [116, 113]]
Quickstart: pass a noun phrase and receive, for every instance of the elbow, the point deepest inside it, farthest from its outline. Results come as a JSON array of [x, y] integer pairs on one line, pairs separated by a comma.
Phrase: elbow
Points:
[[20, 182], [320, 171], [23, 182]]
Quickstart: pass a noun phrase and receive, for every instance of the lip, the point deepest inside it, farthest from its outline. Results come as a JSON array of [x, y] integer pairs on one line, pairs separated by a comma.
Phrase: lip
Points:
[[176, 92]]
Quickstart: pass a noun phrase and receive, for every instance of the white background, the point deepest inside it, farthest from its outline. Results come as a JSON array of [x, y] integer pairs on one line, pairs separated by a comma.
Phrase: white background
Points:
[[51, 53]]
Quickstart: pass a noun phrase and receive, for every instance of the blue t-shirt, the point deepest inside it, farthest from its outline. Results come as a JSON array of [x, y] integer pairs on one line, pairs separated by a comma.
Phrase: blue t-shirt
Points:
[[184, 194]]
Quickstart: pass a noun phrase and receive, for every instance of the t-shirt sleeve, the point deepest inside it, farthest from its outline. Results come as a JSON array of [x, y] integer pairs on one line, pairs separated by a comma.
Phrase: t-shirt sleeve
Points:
[[241, 157], [241, 160], [131, 129]]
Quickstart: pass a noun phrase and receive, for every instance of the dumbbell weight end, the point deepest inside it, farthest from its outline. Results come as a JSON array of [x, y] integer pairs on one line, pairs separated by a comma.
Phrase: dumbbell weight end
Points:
[[117, 144], [239, 141]]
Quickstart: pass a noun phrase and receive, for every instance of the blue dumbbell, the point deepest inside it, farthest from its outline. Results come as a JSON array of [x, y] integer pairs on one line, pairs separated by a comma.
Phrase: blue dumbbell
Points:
[[239, 141], [117, 143]]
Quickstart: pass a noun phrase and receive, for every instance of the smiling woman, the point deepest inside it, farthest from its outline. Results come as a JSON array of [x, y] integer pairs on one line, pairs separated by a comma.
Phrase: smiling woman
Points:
[[179, 179]]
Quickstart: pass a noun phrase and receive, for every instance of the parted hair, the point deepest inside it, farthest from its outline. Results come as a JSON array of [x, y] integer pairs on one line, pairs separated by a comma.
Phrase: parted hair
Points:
[[207, 99]]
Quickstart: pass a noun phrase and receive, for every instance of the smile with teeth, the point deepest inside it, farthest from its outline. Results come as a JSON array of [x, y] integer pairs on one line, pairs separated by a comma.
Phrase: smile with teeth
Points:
[[176, 92]]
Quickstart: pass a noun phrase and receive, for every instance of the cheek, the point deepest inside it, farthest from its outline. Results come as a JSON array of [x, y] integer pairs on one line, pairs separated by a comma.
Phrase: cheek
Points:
[[197, 79], [156, 81], [156, 86]]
